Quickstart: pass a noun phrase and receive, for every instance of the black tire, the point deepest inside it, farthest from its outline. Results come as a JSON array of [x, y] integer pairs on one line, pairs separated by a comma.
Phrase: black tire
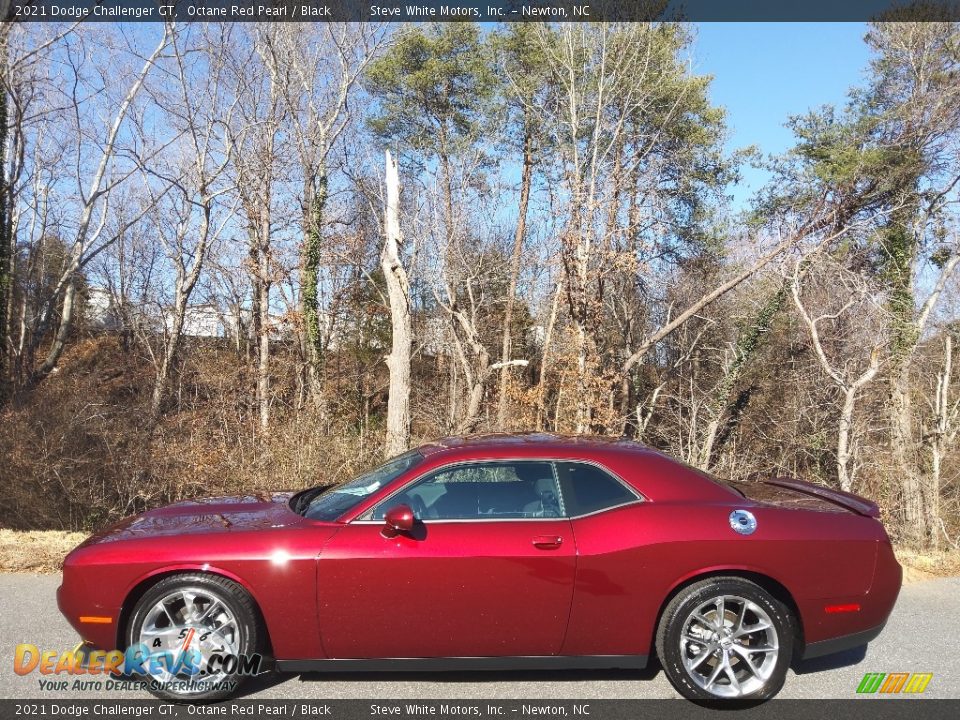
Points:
[[672, 654], [233, 596]]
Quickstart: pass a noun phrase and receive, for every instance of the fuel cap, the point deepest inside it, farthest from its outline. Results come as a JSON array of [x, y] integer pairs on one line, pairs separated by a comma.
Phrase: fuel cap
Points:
[[743, 522]]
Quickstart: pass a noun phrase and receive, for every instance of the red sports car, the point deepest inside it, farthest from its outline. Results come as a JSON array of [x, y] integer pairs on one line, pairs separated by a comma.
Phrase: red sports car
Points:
[[522, 551]]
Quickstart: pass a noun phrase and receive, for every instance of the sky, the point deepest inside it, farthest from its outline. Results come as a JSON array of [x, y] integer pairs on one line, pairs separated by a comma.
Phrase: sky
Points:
[[766, 72]]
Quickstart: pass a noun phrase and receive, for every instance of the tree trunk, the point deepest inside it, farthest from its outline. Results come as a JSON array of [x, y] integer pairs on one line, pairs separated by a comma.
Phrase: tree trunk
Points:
[[474, 403], [545, 358], [479, 376], [6, 244], [313, 244], [169, 354], [628, 382], [63, 331], [704, 457], [514, 275], [583, 402], [940, 438], [901, 247], [902, 448], [843, 439], [398, 290], [263, 355], [253, 331]]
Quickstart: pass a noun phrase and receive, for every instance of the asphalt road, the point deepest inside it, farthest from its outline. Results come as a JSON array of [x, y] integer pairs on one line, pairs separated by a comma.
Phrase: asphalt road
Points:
[[922, 636]]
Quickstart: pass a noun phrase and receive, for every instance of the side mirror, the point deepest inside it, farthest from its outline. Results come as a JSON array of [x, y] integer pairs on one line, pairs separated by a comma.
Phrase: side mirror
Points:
[[398, 520]]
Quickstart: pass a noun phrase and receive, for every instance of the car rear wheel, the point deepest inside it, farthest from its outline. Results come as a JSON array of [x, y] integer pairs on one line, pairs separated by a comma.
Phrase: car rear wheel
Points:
[[726, 638], [194, 629]]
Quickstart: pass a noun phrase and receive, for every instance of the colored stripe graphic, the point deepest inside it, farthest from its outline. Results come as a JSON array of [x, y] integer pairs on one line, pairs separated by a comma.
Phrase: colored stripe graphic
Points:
[[918, 682], [894, 682], [871, 682]]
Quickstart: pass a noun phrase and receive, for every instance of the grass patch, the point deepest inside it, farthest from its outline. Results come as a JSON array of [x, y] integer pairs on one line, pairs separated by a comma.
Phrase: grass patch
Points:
[[36, 550], [927, 565]]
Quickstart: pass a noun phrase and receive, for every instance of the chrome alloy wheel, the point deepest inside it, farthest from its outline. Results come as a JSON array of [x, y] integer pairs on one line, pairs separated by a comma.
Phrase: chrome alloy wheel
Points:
[[729, 646], [190, 620]]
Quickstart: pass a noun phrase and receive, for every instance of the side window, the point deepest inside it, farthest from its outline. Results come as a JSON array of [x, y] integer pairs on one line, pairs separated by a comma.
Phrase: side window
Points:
[[482, 491], [587, 489]]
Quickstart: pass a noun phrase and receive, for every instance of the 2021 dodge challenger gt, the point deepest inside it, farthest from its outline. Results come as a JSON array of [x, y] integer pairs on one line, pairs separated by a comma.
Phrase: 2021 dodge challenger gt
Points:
[[522, 551]]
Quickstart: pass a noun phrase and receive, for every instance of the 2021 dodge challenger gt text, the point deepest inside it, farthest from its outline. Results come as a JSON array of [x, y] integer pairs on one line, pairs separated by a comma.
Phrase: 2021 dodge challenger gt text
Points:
[[522, 551]]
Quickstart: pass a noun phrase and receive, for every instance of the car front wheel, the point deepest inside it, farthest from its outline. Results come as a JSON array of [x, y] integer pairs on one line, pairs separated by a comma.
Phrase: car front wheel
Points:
[[193, 630], [726, 638]]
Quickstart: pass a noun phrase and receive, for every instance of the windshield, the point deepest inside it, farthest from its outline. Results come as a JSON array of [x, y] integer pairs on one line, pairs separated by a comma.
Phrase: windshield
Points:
[[332, 503]]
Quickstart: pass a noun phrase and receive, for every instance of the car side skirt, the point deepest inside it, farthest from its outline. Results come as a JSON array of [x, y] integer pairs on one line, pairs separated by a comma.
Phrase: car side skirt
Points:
[[525, 662], [839, 644]]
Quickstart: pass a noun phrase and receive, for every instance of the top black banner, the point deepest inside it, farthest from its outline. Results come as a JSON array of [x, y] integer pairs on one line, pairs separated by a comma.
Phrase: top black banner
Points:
[[485, 11]]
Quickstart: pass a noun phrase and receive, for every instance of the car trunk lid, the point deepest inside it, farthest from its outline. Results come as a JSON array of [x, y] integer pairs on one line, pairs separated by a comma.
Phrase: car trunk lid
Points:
[[848, 501]]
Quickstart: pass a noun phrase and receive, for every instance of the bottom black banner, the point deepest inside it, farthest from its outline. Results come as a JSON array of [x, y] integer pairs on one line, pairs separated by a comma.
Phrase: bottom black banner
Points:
[[865, 708]]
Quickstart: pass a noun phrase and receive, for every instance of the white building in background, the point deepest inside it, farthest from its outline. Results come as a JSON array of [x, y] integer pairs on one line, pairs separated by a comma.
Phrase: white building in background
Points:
[[209, 321], [204, 321], [101, 313], [434, 336], [433, 333]]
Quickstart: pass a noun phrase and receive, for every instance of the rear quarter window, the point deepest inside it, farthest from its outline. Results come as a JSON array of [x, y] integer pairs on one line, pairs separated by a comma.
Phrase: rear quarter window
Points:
[[588, 489]]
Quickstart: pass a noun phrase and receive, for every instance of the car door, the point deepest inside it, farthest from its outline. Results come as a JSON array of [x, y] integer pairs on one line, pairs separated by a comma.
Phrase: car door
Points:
[[611, 595], [487, 571]]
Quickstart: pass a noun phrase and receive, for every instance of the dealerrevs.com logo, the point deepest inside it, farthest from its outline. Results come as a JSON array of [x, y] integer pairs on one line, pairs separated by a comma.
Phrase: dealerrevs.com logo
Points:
[[181, 671], [893, 683]]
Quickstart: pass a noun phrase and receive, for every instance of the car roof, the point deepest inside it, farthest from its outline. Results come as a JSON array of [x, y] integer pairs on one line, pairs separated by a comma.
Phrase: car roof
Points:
[[546, 441], [659, 476]]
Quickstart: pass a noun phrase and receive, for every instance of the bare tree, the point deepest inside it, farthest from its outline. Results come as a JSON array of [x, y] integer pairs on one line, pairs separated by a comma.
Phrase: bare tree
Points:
[[943, 436], [258, 159], [918, 503], [398, 290], [515, 261], [523, 68], [620, 94], [202, 116], [89, 239], [469, 347], [849, 380], [318, 66], [6, 212], [25, 54], [762, 260]]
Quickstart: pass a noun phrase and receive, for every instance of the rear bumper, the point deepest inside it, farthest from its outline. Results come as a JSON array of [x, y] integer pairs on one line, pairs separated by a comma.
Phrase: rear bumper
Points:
[[827, 633], [839, 644]]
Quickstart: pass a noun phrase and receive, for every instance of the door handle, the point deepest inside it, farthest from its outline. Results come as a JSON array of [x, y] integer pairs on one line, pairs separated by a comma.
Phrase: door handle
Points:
[[547, 542]]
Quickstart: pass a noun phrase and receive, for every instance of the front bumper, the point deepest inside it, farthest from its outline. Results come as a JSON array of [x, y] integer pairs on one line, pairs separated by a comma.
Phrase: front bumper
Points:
[[94, 623]]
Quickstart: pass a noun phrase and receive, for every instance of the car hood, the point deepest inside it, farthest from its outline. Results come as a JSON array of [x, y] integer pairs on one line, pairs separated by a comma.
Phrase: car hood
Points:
[[219, 514]]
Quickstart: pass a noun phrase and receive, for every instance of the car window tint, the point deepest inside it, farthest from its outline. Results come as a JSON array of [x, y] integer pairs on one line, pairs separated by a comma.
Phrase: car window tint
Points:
[[587, 488], [482, 491]]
